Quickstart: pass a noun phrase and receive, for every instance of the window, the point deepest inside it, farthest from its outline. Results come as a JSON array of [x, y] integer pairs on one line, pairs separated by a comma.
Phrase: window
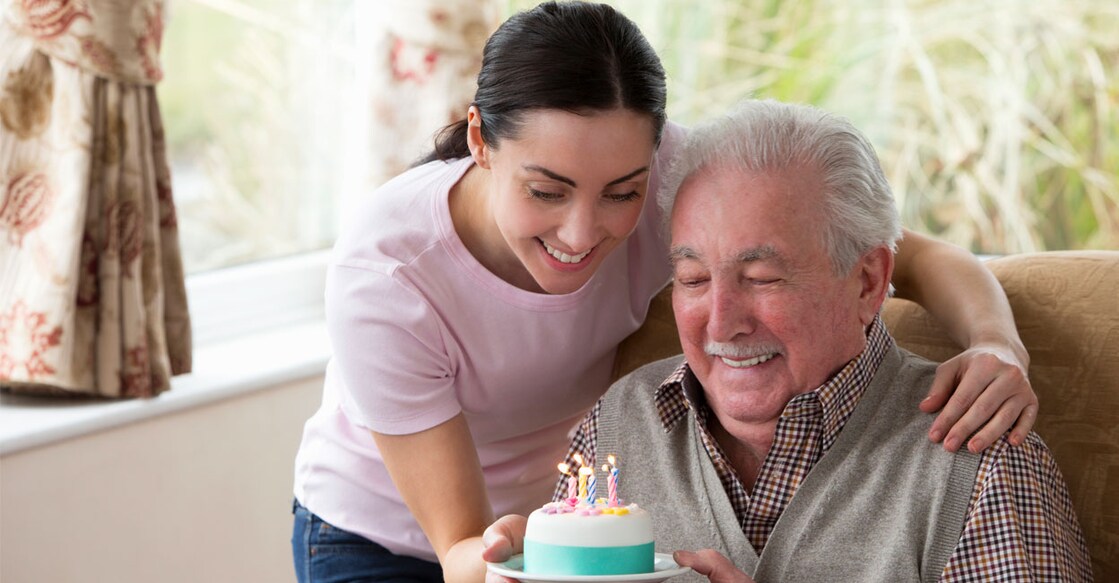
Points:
[[997, 128], [255, 105], [997, 124]]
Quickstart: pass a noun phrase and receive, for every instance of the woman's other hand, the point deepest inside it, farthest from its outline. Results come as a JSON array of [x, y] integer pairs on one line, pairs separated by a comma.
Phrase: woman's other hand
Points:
[[711, 564], [984, 390]]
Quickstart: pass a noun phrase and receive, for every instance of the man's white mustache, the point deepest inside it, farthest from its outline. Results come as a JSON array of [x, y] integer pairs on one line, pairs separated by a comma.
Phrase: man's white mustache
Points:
[[739, 351]]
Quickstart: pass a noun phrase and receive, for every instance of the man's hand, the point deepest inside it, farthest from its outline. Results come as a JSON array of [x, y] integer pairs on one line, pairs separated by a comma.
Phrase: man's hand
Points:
[[992, 393], [503, 539], [711, 564]]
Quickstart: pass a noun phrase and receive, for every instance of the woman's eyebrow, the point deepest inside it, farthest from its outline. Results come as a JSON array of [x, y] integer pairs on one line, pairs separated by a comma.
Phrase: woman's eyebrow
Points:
[[570, 182], [549, 174], [629, 176]]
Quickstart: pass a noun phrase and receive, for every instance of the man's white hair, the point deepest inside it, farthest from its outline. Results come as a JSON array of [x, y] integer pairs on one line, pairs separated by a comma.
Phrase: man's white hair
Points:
[[766, 136]]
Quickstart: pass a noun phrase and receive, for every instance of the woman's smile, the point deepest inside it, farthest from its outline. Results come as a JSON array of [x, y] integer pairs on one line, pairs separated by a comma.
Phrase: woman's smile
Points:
[[564, 257]]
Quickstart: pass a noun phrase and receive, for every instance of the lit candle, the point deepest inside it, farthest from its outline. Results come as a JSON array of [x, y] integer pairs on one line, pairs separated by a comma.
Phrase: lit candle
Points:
[[582, 478], [584, 471], [612, 480], [591, 485], [611, 488], [566, 470]]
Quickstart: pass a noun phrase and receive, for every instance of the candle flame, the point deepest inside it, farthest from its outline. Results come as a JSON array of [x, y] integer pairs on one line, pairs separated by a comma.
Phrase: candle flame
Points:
[[605, 468], [610, 458], [579, 459], [563, 468], [585, 471]]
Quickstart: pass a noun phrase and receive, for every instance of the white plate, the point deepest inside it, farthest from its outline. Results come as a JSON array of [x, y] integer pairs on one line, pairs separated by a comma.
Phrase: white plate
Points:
[[663, 568]]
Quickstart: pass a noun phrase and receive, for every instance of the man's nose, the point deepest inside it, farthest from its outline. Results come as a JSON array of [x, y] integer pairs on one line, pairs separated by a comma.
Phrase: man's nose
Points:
[[729, 311]]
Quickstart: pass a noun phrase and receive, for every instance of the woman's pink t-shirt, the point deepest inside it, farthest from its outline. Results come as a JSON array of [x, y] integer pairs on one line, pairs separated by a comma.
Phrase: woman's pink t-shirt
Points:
[[421, 332]]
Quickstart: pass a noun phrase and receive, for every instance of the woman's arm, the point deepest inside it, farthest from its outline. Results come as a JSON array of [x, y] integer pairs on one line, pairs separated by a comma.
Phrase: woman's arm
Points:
[[991, 389], [440, 478]]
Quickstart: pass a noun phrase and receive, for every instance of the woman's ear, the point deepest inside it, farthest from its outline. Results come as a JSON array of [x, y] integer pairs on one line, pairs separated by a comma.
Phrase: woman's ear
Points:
[[478, 149]]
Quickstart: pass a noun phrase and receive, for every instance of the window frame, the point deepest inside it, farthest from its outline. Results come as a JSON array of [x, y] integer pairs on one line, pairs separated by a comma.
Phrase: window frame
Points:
[[256, 297]]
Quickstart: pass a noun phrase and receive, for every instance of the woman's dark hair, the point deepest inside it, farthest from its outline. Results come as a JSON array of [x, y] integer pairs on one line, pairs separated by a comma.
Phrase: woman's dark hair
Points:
[[573, 56]]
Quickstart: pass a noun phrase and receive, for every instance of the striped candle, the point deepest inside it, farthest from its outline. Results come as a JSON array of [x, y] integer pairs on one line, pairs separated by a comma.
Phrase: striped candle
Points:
[[565, 470], [612, 480], [583, 471], [611, 485]]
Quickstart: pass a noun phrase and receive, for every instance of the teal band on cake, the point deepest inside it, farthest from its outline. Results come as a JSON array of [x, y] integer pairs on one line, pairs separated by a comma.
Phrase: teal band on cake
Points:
[[545, 559]]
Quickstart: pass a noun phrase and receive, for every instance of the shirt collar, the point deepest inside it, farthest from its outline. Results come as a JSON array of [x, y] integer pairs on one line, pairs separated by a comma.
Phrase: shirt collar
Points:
[[837, 397]]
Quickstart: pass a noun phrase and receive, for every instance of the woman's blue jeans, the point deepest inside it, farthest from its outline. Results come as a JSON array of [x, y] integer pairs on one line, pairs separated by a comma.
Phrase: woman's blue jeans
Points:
[[326, 554]]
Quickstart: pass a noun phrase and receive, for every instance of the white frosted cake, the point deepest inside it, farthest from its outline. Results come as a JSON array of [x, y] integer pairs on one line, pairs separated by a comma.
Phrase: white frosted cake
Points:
[[567, 538]]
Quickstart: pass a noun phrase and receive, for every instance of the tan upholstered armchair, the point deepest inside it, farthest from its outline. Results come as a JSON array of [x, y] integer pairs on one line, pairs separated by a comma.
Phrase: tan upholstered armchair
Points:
[[1066, 305]]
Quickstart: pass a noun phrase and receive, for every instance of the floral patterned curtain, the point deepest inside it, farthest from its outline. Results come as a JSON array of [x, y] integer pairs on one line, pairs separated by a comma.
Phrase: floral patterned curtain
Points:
[[418, 64], [92, 295]]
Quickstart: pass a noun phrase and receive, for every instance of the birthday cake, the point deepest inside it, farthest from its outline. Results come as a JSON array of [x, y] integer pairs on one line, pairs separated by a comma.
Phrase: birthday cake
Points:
[[576, 537]]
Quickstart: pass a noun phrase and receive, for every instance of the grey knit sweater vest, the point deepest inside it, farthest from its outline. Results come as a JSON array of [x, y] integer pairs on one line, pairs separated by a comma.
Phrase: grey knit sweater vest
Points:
[[883, 504]]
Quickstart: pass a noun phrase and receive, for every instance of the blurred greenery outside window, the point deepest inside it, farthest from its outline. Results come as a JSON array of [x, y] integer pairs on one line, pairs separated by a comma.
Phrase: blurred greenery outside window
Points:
[[997, 121], [255, 103]]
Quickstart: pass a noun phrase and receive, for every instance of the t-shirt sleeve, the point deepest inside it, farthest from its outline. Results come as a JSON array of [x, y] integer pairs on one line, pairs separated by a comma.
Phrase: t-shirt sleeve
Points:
[[673, 138], [389, 352]]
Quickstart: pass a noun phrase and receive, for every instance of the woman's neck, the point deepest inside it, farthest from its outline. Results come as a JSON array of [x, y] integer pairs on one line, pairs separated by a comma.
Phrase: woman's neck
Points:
[[474, 223]]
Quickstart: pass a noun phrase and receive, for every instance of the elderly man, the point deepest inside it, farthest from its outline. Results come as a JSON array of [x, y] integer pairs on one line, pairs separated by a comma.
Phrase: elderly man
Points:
[[787, 437]]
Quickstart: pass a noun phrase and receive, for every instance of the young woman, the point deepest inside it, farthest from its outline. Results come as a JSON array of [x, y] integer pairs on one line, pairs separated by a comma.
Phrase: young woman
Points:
[[475, 302]]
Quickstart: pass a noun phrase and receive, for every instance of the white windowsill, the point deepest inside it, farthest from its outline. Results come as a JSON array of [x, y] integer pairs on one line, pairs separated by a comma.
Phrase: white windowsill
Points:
[[225, 370], [257, 327]]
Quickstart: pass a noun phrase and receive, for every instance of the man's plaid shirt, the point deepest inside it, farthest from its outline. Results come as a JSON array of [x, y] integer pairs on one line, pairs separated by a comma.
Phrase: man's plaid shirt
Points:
[[1020, 526]]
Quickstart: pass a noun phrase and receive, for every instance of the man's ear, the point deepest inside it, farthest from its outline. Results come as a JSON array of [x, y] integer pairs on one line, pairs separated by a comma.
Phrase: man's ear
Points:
[[478, 148], [874, 271]]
